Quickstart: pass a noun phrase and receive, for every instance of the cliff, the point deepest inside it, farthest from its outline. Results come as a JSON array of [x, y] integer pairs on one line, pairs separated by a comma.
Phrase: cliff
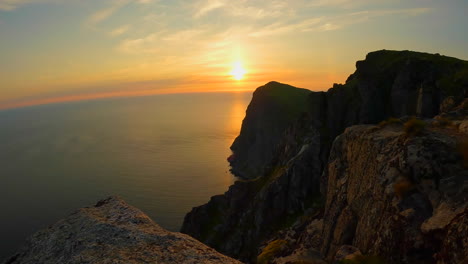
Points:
[[113, 232], [290, 193], [274, 107], [394, 195], [385, 84]]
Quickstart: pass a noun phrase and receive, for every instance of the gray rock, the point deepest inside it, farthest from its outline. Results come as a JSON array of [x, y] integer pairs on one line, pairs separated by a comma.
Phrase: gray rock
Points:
[[113, 232], [400, 226], [454, 247]]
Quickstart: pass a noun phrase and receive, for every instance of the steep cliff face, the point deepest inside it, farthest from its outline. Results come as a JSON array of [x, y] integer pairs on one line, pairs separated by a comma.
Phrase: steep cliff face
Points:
[[274, 107], [394, 84], [252, 210], [113, 232], [393, 197], [386, 84]]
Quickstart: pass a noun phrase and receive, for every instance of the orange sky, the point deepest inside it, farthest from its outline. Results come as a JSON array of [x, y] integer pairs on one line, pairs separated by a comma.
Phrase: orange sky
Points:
[[68, 50]]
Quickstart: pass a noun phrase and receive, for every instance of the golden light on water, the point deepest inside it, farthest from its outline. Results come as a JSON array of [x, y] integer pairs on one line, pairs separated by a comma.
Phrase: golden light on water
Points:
[[238, 71]]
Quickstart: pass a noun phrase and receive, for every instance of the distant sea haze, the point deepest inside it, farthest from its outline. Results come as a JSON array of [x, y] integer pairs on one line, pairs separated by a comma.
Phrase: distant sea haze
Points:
[[164, 154]]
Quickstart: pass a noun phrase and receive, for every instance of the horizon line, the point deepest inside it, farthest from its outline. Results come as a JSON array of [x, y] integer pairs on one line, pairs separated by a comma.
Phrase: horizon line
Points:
[[108, 95]]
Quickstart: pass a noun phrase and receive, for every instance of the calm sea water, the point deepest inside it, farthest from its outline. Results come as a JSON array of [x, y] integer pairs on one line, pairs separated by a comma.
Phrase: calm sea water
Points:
[[163, 154]]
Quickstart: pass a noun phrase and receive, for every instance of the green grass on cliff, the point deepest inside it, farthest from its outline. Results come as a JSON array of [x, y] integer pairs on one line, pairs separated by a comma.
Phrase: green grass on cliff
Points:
[[414, 127], [294, 99], [390, 121], [452, 73], [273, 248], [388, 58]]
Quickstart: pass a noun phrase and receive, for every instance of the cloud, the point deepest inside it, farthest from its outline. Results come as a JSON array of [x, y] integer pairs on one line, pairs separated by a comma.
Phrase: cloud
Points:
[[273, 9], [119, 31], [105, 13], [345, 3], [147, 44], [207, 6], [183, 35], [323, 3], [242, 8], [156, 41], [332, 22], [408, 11], [280, 28], [8, 5]]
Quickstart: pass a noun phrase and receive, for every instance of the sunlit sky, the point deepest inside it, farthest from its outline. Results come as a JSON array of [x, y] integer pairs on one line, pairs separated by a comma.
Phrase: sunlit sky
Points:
[[64, 50]]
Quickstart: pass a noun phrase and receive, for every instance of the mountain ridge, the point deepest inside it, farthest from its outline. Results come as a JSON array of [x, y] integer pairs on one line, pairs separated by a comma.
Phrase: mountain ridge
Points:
[[291, 181]]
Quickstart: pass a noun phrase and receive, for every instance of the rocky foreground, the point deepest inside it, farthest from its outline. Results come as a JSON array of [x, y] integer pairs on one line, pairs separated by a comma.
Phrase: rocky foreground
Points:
[[113, 232]]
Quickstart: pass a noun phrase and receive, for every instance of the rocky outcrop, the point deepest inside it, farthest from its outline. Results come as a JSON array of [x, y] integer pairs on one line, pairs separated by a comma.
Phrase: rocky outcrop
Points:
[[392, 198], [393, 195], [113, 232], [290, 185]]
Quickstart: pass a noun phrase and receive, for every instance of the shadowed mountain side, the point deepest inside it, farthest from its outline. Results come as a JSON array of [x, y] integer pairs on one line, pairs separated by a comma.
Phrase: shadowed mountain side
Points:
[[288, 184], [385, 84], [274, 107]]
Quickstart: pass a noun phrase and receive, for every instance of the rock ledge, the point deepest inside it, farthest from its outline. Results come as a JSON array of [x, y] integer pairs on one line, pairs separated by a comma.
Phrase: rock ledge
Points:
[[113, 232]]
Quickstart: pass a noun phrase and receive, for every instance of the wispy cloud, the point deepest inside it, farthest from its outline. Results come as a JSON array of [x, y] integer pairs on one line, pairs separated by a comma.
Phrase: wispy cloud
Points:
[[408, 11], [147, 44], [157, 41], [206, 6], [322, 3], [146, 1], [105, 13], [11, 4], [183, 35], [119, 31], [345, 3], [279, 28], [332, 22], [251, 9], [8, 5]]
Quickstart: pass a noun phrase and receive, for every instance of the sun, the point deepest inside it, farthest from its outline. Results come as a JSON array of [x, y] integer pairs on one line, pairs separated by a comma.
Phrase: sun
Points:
[[238, 71]]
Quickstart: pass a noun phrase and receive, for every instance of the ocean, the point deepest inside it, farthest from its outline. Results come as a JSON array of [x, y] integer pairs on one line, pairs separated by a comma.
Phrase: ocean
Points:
[[163, 154]]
